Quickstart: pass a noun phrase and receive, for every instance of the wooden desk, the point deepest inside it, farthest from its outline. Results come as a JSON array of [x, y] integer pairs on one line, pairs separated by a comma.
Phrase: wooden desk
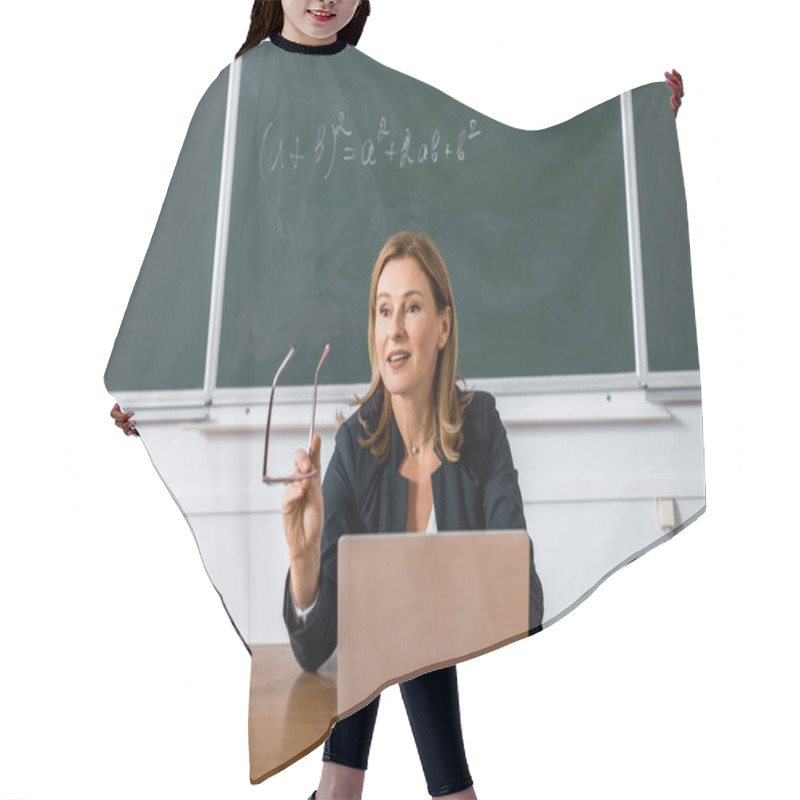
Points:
[[407, 604], [291, 711]]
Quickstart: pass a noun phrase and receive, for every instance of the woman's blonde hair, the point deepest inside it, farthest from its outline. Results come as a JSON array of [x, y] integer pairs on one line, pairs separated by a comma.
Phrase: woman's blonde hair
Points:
[[449, 401]]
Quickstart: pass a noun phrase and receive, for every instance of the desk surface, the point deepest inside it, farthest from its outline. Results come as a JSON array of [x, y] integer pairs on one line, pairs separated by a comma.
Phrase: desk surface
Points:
[[290, 710]]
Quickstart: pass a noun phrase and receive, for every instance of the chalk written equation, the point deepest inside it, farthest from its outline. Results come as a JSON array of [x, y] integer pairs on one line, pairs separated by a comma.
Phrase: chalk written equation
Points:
[[334, 145]]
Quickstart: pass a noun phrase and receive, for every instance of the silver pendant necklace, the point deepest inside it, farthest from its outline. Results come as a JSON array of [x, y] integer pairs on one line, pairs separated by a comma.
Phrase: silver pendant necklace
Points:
[[415, 448]]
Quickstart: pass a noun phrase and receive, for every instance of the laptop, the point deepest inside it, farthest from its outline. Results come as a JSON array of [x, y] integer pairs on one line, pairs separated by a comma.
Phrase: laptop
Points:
[[410, 603]]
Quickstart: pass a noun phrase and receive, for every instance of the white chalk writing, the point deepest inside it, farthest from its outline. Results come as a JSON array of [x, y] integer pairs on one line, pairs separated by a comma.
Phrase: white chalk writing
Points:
[[335, 146]]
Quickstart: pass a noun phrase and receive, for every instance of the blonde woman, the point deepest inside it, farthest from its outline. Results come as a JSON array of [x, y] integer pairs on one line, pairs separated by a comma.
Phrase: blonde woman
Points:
[[419, 455]]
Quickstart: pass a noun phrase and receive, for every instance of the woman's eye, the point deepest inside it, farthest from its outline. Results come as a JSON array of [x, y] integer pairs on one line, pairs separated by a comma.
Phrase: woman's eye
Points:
[[412, 308], [384, 312]]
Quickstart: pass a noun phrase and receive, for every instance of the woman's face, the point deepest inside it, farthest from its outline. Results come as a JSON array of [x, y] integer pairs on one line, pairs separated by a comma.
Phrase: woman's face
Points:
[[316, 22], [409, 330]]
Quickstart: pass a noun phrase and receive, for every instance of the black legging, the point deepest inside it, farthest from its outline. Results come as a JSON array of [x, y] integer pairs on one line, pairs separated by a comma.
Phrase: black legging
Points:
[[432, 706]]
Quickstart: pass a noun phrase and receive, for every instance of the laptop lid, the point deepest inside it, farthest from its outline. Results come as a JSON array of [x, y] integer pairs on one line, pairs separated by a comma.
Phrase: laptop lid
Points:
[[409, 603]]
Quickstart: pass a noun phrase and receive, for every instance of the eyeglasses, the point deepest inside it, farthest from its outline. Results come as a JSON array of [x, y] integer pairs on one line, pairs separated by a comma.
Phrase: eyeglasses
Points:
[[296, 477]]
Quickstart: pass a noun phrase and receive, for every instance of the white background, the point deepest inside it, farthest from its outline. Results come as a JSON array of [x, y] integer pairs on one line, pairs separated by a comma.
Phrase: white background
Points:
[[120, 675]]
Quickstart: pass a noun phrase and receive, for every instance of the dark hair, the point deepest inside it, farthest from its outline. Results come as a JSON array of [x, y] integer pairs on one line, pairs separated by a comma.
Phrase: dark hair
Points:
[[266, 19]]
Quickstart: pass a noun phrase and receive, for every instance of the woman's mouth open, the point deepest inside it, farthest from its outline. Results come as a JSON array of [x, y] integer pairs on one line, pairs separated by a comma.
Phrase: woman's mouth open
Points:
[[397, 359], [321, 16]]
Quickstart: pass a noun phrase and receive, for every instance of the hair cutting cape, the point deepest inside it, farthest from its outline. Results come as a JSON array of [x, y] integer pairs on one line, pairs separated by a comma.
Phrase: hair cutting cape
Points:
[[568, 253]]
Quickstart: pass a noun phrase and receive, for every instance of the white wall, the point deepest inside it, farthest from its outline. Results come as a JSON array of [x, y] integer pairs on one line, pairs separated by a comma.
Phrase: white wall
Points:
[[592, 466], [119, 674]]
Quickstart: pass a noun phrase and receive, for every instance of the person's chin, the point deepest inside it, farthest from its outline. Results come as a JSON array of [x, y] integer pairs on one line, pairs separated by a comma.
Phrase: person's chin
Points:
[[394, 386], [318, 32]]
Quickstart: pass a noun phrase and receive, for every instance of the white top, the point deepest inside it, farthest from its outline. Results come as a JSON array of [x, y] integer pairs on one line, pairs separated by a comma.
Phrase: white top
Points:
[[432, 522]]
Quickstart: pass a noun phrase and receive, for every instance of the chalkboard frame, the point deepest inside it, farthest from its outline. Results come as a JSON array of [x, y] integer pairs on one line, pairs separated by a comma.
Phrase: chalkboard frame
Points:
[[210, 394]]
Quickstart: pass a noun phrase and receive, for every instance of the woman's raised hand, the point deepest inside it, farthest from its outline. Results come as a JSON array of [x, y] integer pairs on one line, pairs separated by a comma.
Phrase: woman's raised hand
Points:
[[302, 506], [303, 514], [675, 82], [124, 420]]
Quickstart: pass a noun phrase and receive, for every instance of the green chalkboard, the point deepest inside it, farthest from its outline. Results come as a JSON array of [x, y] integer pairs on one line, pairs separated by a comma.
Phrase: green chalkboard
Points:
[[333, 154], [666, 268], [162, 340]]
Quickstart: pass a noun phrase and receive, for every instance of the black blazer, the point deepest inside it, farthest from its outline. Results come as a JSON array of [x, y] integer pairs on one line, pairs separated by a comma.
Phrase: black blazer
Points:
[[480, 491]]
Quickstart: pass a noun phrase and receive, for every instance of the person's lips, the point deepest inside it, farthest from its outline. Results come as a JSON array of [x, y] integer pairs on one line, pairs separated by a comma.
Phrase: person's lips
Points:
[[322, 16], [397, 358]]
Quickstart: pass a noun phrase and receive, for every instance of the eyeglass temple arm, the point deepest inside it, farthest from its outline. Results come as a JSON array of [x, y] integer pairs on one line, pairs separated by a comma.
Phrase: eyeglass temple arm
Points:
[[314, 402], [289, 357]]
